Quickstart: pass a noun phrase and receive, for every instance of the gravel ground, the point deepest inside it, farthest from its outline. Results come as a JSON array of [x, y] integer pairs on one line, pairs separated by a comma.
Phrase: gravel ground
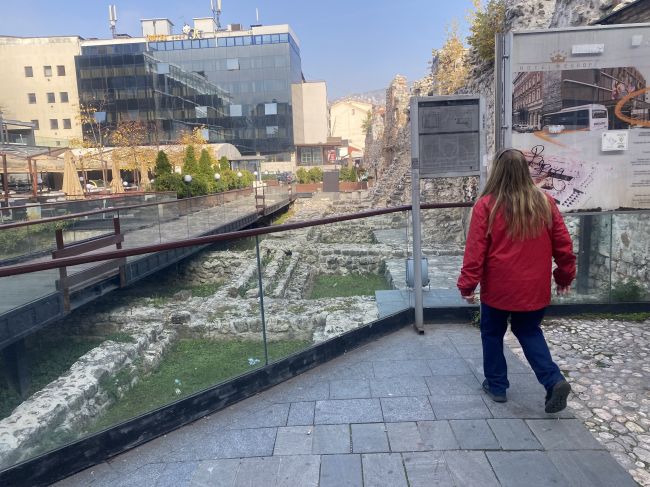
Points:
[[607, 363]]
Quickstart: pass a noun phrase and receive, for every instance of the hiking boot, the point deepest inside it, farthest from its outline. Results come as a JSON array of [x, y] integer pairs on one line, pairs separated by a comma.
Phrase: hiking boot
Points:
[[494, 397], [556, 397]]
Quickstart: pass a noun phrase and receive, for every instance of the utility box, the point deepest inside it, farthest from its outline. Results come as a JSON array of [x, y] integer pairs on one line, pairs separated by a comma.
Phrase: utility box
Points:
[[330, 182], [447, 135]]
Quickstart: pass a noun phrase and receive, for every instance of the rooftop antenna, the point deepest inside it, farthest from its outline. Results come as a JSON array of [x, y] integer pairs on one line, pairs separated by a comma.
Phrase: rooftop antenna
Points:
[[112, 18], [215, 6], [257, 15]]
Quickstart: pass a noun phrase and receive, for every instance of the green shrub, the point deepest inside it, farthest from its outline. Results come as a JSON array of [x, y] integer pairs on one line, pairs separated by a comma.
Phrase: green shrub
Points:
[[205, 165], [628, 291], [163, 166], [224, 164], [315, 175], [348, 174], [170, 182], [302, 175], [190, 164]]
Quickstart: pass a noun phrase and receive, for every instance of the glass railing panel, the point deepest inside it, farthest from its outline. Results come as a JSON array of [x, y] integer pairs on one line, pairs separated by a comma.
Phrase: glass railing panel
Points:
[[591, 235], [21, 242], [135, 349], [628, 261], [444, 233], [140, 225], [172, 220], [199, 218], [18, 292], [323, 281]]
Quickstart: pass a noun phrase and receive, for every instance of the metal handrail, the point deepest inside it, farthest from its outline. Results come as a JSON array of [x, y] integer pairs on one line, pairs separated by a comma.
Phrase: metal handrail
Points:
[[210, 239], [113, 209], [85, 200]]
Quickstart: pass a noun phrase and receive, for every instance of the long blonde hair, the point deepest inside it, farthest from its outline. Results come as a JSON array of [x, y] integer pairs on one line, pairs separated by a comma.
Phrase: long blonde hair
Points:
[[525, 208]]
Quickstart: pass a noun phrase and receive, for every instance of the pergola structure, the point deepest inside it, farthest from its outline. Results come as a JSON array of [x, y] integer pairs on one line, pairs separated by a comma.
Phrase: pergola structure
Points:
[[14, 157]]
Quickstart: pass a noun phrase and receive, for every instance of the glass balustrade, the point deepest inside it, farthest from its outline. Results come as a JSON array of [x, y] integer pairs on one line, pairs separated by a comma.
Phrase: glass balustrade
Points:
[[238, 305]]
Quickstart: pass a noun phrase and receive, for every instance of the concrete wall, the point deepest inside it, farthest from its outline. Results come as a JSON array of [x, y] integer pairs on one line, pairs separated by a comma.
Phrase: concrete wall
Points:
[[37, 52], [310, 125]]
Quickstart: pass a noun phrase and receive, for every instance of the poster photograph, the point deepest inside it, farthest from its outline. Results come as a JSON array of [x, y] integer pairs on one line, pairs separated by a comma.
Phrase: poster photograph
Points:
[[584, 127]]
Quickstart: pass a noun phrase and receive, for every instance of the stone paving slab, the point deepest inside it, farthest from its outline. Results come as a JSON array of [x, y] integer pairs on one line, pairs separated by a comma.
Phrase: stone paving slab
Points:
[[413, 426], [301, 413], [369, 438]]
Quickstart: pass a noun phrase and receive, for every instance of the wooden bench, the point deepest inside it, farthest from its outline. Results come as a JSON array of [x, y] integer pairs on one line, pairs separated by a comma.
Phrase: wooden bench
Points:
[[70, 284]]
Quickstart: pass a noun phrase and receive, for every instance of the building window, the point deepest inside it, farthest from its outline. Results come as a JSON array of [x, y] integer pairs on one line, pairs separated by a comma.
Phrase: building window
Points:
[[272, 130], [235, 111], [67, 123], [50, 98], [232, 64], [63, 96], [54, 124], [305, 156], [47, 71], [270, 109], [35, 122], [60, 70], [29, 72], [31, 97], [311, 156]]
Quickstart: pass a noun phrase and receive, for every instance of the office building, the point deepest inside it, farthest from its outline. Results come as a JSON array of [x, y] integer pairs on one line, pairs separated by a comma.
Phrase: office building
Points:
[[38, 84], [242, 86]]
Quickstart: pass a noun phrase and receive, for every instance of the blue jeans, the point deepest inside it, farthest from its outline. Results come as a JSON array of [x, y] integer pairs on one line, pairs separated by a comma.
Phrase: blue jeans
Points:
[[526, 327]]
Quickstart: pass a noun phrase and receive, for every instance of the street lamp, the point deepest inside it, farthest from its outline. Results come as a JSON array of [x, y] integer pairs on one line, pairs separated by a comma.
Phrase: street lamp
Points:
[[99, 118], [188, 179], [217, 177]]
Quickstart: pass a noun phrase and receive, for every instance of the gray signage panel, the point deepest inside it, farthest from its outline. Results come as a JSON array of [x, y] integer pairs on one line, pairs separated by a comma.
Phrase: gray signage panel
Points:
[[435, 118], [441, 153], [447, 135]]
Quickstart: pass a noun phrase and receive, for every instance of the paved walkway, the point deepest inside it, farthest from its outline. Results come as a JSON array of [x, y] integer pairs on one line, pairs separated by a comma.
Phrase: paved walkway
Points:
[[406, 410]]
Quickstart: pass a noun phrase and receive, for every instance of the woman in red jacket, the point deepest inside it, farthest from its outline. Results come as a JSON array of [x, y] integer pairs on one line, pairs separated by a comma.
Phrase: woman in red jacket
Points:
[[514, 232]]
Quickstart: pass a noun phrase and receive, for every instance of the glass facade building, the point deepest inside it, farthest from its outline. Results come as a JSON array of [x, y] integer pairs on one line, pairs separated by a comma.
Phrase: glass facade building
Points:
[[127, 83], [242, 81]]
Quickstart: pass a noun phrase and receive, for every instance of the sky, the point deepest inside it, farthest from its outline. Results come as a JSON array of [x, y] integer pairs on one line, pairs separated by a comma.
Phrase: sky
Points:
[[354, 45]]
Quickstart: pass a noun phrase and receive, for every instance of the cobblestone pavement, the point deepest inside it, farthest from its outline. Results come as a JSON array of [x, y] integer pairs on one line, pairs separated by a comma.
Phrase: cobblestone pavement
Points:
[[607, 364], [404, 410]]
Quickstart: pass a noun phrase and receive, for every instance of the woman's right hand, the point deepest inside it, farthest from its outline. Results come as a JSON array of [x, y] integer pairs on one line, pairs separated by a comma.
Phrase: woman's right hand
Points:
[[563, 290]]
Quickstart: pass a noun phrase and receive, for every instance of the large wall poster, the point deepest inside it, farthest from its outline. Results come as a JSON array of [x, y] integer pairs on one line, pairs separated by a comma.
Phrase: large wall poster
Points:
[[581, 114]]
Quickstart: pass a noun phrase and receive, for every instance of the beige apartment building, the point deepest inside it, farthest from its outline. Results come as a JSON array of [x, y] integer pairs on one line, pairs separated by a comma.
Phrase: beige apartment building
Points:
[[38, 84], [346, 121]]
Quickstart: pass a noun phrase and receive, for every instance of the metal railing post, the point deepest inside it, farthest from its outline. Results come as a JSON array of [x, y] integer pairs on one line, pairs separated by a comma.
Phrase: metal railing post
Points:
[[261, 291], [417, 250]]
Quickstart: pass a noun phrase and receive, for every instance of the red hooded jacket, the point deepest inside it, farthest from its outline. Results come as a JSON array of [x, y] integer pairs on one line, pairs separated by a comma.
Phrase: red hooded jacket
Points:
[[514, 275]]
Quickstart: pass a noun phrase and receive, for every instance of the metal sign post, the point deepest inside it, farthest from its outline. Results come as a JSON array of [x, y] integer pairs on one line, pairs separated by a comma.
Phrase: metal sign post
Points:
[[417, 245], [447, 140]]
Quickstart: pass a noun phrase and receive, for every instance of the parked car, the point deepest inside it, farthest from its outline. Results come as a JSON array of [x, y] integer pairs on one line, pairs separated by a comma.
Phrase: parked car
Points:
[[523, 128]]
